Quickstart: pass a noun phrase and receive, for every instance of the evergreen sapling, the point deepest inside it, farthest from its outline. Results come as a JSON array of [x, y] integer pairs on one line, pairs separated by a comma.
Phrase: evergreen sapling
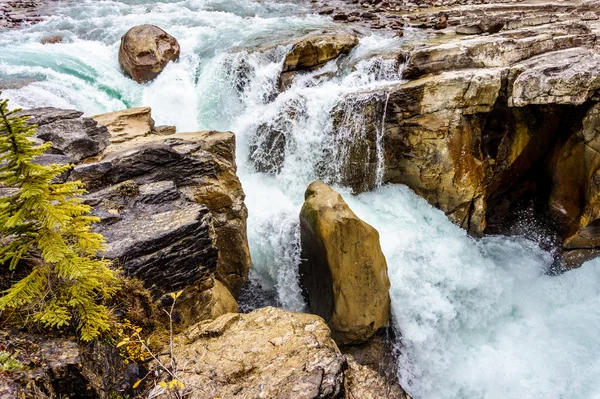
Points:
[[46, 226]]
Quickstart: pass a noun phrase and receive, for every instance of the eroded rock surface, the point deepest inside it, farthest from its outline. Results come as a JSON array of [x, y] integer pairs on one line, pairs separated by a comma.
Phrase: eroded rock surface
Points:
[[312, 51], [145, 51], [272, 353], [343, 273], [73, 137]]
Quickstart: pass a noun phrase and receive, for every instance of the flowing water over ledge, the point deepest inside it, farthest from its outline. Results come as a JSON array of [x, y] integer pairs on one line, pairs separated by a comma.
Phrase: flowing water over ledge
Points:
[[476, 318]]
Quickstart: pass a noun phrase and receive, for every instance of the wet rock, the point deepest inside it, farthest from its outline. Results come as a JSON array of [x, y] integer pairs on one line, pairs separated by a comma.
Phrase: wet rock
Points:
[[327, 11], [316, 50], [575, 188], [343, 273], [145, 51], [433, 130], [52, 39]]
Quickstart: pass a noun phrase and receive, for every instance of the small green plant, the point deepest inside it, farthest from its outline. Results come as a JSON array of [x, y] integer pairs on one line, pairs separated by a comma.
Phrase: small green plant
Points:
[[8, 362], [45, 230]]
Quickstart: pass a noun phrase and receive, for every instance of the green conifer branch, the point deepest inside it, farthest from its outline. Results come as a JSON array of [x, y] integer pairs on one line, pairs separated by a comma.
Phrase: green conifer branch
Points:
[[47, 224]]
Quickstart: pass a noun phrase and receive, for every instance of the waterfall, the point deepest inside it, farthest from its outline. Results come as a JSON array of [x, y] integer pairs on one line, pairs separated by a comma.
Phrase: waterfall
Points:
[[474, 318]]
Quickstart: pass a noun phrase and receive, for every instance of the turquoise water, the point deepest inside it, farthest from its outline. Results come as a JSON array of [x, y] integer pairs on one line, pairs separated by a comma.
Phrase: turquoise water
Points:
[[475, 318]]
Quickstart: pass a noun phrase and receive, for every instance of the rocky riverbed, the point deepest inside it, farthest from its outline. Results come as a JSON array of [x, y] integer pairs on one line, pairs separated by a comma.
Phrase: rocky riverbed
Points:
[[488, 111], [19, 13]]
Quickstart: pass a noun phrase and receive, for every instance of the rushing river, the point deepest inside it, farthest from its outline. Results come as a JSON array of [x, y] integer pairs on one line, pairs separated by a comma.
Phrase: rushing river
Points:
[[476, 318]]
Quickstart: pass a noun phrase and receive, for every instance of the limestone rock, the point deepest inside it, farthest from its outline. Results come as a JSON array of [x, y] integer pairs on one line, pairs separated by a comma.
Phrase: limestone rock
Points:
[[312, 51], [561, 77], [72, 136], [433, 130], [267, 353], [145, 51], [343, 273], [575, 170], [492, 52], [127, 124]]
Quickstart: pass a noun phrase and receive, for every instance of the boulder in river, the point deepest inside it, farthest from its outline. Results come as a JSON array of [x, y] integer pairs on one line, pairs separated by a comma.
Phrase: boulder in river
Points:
[[343, 273], [316, 50], [145, 51]]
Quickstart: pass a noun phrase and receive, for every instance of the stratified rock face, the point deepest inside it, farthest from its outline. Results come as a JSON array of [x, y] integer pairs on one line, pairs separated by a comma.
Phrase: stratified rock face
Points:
[[501, 50], [268, 353], [145, 51], [312, 51], [561, 77], [74, 137], [344, 273], [490, 127], [171, 206]]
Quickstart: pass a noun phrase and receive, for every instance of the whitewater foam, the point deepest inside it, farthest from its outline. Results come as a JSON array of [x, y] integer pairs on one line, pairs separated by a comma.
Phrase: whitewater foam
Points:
[[475, 318]]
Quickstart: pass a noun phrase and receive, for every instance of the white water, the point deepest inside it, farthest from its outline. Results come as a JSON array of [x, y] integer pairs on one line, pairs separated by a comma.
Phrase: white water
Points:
[[477, 319]]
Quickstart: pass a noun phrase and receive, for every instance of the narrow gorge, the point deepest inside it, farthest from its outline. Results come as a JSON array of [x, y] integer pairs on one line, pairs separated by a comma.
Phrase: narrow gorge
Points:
[[326, 199]]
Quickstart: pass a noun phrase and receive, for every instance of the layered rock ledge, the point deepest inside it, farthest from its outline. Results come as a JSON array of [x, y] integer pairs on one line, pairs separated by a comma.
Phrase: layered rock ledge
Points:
[[496, 121], [170, 206]]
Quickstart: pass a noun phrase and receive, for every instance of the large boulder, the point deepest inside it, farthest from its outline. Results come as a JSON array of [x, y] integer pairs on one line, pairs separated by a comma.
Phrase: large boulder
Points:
[[145, 51], [268, 353], [343, 273], [315, 50], [272, 353]]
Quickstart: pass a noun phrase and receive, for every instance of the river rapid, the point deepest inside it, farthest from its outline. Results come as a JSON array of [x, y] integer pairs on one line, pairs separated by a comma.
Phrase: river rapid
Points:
[[474, 318]]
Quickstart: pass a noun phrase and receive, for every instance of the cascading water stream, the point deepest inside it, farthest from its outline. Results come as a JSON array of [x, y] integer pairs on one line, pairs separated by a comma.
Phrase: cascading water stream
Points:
[[475, 318]]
